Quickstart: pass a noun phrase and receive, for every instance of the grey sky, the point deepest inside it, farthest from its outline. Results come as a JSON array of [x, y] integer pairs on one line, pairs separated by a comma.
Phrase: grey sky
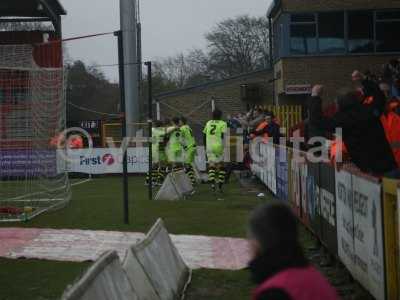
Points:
[[169, 26]]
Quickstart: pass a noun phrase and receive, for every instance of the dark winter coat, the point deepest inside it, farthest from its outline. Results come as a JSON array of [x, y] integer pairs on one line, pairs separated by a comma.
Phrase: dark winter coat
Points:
[[363, 133]]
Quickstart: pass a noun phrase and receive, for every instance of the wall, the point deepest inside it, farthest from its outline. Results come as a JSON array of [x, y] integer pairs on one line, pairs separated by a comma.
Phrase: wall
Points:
[[334, 72], [195, 103]]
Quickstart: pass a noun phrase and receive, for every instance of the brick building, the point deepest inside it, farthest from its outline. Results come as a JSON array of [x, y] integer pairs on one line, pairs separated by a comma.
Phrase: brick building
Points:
[[324, 41], [229, 95]]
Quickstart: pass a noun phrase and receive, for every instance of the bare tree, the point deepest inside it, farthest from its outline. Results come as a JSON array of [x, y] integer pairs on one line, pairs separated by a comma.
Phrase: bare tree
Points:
[[184, 69], [238, 45]]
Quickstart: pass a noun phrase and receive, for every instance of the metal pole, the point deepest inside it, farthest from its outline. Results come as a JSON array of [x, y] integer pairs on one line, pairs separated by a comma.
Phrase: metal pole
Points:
[[150, 121], [123, 112], [271, 58], [128, 17], [158, 111]]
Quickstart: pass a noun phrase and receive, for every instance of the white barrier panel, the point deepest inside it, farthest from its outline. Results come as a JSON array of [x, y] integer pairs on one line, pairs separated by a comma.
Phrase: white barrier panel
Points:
[[104, 280], [303, 186], [183, 182], [359, 224], [176, 186], [162, 263], [263, 166], [138, 278], [296, 183], [345, 222], [169, 191], [368, 240], [271, 168]]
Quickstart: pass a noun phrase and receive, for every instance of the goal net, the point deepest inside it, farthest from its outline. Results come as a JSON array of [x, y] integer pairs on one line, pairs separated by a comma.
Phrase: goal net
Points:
[[32, 113]]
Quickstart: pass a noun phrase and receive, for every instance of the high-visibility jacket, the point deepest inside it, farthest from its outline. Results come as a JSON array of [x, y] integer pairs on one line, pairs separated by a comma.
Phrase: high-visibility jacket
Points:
[[334, 151], [261, 130], [391, 124]]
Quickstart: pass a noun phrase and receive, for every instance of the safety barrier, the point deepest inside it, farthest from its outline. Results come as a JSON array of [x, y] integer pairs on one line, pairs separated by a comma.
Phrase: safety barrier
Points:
[[151, 270], [162, 263], [176, 186], [354, 216], [104, 280]]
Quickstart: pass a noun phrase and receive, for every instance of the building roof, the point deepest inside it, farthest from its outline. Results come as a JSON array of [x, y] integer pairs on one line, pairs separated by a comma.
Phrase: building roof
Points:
[[274, 7], [31, 8], [211, 84]]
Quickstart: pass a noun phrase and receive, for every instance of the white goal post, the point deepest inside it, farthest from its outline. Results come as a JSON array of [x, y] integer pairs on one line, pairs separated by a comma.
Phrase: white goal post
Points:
[[32, 113]]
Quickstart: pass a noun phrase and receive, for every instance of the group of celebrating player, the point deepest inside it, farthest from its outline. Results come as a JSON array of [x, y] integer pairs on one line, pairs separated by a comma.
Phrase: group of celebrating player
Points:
[[174, 148]]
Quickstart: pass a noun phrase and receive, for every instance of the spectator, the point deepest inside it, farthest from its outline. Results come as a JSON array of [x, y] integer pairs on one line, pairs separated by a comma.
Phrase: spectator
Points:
[[273, 129], [233, 122], [262, 130], [363, 133], [391, 74], [386, 90], [279, 266], [257, 118]]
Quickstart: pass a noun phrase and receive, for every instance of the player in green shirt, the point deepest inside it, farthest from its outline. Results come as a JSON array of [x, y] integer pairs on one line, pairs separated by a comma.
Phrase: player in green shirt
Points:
[[175, 146], [189, 147], [214, 132], [158, 154]]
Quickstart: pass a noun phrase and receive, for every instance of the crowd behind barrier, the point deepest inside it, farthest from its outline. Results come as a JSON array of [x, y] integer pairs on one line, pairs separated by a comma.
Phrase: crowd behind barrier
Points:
[[353, 215], [151, 270]]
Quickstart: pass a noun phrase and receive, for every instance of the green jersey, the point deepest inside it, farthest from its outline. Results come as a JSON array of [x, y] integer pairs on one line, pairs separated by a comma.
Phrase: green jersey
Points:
[[175, 139], [187, 137], [214, 131], [158, 139]]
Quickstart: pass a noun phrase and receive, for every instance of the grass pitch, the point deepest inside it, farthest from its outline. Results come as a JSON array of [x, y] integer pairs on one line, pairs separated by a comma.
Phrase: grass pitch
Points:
[[97, 205]]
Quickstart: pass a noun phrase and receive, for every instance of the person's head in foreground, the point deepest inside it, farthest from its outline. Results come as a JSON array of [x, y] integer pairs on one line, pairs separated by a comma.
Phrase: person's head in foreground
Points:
[[279, 266]]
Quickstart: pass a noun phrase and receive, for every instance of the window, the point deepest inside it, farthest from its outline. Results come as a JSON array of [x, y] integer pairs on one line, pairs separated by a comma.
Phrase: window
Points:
[[387, 31], [303, 34], [339, 32], [361, 31], [301, 18], [331, 32]]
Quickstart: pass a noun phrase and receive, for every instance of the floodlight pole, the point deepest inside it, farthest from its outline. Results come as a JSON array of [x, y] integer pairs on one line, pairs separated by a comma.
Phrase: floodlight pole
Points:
[[128, 23], [150, 123], [124, 131]]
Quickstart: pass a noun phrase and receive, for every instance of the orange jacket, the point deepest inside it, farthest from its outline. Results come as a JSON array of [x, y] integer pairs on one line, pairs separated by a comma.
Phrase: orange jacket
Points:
[[391, 124], [261, 131], [334, 151]]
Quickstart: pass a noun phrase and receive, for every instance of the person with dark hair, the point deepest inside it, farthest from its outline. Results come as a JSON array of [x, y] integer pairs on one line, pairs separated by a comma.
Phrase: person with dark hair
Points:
[[214, 132], [189, 148], [359, 118], [257, 117], [279, 266], [273, 129]]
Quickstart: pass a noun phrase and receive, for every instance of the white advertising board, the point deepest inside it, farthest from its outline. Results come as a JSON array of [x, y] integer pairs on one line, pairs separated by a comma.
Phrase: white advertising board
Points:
[[345, 222], [368, 240]]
